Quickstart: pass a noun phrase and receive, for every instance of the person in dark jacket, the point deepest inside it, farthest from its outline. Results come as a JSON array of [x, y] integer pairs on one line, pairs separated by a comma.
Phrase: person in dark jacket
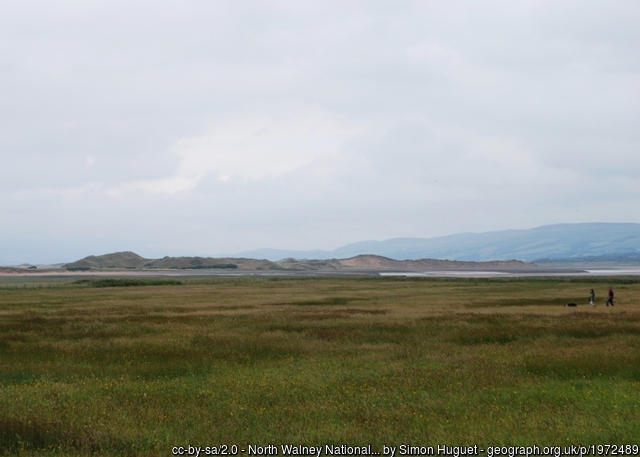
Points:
[[610, 300], [592, 298]]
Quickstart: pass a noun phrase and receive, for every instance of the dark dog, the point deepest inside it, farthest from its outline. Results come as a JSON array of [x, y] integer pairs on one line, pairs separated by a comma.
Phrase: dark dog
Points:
[[571, 304]]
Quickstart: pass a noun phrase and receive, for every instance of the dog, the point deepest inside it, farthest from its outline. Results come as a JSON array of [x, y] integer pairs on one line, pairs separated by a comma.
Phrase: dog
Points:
[[571, 304]]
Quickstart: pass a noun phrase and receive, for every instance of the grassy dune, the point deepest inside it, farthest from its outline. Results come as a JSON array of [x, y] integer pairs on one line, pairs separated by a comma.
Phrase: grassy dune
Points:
[[91, 370]]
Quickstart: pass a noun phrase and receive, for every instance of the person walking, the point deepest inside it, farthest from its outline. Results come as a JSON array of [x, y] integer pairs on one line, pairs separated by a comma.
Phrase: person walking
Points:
[[610, 300], [592, 298]]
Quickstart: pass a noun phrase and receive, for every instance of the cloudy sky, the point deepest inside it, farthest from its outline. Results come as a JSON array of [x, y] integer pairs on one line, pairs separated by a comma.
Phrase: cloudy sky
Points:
[[213, 127]]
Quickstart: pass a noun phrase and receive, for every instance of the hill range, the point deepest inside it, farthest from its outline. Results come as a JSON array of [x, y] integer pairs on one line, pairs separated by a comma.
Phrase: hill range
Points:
[[554, 245], [132, 261], [562, 243], [615, 243]]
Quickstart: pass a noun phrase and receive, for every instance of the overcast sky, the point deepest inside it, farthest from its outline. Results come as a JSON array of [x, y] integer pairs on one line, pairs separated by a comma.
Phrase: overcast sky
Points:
[[213, 127]]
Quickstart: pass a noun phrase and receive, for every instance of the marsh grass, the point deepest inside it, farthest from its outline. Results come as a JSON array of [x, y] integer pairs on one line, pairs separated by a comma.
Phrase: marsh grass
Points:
[[135, 371], [127, 282]]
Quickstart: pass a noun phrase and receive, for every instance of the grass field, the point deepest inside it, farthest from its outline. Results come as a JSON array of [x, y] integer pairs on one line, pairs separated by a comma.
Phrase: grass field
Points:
[[91, 370]]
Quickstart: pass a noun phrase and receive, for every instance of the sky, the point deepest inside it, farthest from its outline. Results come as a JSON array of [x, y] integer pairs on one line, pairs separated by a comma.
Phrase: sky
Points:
[[213, 127]]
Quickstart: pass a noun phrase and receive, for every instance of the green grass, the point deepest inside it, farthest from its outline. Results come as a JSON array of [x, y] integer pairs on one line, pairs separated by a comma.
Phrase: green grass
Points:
[[127, 282], [125, 370]]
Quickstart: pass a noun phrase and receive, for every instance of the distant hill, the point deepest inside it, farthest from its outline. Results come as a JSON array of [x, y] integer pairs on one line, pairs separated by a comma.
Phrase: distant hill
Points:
[[551, 243], [374, 261], [119, 260], [132, 261]]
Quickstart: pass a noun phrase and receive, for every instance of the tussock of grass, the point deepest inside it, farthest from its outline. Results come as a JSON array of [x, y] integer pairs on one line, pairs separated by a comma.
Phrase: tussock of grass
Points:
[[325, 301], [42, 435], [484, 337]]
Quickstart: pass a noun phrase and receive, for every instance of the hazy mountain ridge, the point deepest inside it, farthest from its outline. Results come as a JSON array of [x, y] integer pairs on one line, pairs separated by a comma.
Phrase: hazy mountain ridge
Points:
[[550, 242], [631, 258]]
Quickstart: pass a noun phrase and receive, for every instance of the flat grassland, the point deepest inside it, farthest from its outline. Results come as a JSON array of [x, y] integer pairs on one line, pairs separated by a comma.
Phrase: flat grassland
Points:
[[91, 370]]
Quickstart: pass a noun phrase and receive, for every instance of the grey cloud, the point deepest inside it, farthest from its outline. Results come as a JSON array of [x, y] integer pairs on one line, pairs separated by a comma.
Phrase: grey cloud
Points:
[[475, 116]]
